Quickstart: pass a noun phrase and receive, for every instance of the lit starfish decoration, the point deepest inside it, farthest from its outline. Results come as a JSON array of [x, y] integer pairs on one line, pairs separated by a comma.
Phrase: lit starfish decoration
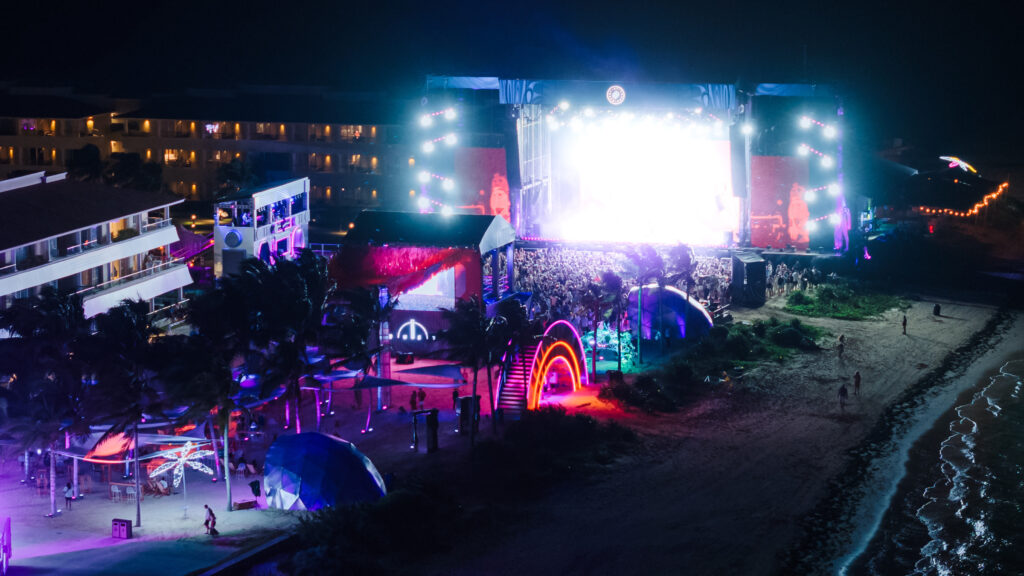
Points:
[[187, 455], [955, 162]]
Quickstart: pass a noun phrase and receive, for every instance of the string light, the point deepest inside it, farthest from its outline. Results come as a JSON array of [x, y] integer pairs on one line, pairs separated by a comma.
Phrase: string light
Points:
[[985, 201], [187, 455]]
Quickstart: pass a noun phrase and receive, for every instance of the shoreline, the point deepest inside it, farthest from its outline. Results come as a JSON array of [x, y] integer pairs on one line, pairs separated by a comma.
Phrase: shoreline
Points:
[[989, 367], [845, 521]]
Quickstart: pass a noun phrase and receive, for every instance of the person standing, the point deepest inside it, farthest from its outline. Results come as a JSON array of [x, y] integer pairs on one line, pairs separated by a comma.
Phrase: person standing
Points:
[[843, 395], [421, 394], [211, 521], [856, 383], [69, 495], [904, 324]]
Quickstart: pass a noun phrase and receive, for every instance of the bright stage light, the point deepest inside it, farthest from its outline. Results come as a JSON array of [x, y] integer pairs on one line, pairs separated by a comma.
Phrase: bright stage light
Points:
[[449, 114], [834, 219], [834, 190], [747, 129], [447, 211], [424, 177], [428, 147], [829, 132], [563, 105], [576, 123], [552, 124], [805, 122], [802, 150], [426, 120], [423, 203], [812, 226], [810, 196], [588, 112], [639, 181], [826, 161], [448, 185], [450, 140]]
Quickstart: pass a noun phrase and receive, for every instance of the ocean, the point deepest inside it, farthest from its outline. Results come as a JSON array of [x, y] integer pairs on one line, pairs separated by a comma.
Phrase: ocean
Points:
[[959, 510]]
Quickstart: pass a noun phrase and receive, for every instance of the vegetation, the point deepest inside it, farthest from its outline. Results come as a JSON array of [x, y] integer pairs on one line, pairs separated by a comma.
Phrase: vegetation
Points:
[[842, 301], [418, 519], [725, 348]]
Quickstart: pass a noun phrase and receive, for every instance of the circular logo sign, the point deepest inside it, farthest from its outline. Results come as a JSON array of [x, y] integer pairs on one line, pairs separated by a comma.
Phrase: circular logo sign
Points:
[[233, 239], [616, 95]]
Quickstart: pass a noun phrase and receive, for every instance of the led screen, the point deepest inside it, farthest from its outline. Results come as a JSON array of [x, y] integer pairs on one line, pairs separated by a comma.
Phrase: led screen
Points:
[[626, 179], [779, 211], [481, 182]]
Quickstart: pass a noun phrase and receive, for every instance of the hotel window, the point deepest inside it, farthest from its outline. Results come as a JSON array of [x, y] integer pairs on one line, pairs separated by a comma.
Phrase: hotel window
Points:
[[172, 156], [6, 155], [350, 133], [182, 129], [266, 131], [218, 156]]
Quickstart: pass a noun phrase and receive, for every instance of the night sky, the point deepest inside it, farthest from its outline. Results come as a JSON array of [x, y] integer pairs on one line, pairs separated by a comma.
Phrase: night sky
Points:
[[939, 74]]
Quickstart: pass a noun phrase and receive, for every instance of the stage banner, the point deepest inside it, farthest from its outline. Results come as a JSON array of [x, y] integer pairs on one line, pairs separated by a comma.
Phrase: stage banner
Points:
[[482, 182], [778, 211]]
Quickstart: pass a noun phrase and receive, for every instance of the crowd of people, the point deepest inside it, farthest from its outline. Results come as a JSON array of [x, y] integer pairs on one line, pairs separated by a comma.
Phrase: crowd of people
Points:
[[783, 279], [559, 279]]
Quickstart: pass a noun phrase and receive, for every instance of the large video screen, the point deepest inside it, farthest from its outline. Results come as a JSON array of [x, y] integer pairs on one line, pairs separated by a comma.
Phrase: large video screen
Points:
[[779, 211], [632, 179], [483, 183]]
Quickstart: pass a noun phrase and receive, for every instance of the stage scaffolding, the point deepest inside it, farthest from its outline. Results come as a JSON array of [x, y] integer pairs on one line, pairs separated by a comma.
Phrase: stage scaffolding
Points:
[[535, 201]]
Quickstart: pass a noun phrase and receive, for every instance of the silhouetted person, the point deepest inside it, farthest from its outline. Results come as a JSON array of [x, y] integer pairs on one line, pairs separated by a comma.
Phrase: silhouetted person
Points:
[[843, 395], [856, 383], [904, 324]]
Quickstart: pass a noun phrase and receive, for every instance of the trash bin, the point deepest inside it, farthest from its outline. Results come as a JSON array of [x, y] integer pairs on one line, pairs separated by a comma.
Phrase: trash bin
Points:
[[432, 426], [121, 528], [464, 413]]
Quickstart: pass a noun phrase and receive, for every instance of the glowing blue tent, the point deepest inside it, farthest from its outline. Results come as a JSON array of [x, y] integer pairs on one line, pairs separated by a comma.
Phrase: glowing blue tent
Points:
[[312, 470]]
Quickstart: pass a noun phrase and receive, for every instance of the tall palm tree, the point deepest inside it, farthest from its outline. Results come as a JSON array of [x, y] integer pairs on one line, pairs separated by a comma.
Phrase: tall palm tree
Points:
[[682, 262], [647, 265], [119, 355], [47, 329], [468, 344], [614, 293], [359, 332]]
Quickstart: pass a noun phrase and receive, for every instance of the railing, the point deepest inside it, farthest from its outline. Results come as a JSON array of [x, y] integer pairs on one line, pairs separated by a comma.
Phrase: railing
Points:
[[325, 250], [8, 269], [127, 278], [156, 224]]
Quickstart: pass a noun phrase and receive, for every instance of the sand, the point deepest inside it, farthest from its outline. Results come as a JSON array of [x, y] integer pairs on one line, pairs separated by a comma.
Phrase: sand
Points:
[[721, 487]]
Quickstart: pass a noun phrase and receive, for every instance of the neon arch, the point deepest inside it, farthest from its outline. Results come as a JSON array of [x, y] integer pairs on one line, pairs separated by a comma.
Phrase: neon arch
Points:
[[584, 376], [552, 354]]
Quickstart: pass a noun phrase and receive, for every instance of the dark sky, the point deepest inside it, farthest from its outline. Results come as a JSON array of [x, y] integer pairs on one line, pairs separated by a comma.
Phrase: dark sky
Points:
[[938, 73]]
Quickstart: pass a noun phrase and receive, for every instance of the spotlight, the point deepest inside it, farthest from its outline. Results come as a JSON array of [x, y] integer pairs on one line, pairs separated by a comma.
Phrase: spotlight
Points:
[[802, 150], [564, 105], [588, 112], [447, 211], [450, 140], [423, 203], [810, 196], [834, 190], [698, 110], [426, 120], [552, 124], [747, 129], [805, 122], [812, 226], [718, 124], [448, 185], [830, 132], [424, 177], [826, 161], [428, 147], [449, 114], [834, 219]]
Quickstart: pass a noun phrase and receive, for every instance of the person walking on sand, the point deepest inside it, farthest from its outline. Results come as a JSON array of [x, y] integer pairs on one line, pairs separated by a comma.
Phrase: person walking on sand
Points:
[[211, 521], [69, 495], [843, 395], [904, 324], [841, 347], [856, 383]]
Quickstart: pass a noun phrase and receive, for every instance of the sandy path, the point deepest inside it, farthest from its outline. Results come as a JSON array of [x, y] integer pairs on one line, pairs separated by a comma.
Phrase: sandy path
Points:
[[720, 488]]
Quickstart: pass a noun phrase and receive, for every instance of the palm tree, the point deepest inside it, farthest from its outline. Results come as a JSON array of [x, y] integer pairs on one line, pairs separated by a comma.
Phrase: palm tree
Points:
[[468, 343], [359, 333], [48, 329], [119, 354], [614, 293], [682, 262], [647, 265]]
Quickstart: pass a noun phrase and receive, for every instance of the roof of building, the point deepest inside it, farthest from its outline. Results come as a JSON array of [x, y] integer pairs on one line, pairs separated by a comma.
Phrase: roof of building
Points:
[[246, 193], [44, 210], [415, 229], [286, 108], [47, 106]]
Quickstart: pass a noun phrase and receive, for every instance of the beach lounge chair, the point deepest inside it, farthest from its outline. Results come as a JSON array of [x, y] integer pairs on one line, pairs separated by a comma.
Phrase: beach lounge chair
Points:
[[130, 493]]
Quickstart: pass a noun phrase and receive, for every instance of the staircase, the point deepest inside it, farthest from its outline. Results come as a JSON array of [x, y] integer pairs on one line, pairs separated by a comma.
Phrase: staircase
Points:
[[514, 384]]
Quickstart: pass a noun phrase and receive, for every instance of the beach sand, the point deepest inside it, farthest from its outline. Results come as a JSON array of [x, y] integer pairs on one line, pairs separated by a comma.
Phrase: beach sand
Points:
[[721, 487]]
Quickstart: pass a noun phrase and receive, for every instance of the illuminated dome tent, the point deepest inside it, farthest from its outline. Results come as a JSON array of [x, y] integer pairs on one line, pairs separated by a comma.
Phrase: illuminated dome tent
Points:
[[312, 470], [676, 310]]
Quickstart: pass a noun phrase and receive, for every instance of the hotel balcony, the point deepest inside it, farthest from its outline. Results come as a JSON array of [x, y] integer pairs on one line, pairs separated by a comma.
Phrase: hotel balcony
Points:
[[142, 285], [81, 258]]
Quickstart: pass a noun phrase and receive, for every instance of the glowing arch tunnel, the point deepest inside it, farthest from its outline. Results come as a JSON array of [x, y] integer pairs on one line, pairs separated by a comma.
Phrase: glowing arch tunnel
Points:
[[561, 346]]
